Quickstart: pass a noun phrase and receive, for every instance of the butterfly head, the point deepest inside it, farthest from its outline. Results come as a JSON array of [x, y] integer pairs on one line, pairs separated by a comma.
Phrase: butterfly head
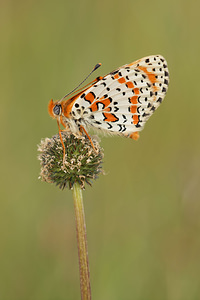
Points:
[[55, 109]]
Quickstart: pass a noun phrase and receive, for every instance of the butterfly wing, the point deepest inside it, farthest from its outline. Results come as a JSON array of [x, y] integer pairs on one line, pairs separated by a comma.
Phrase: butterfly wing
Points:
[[122, 101]]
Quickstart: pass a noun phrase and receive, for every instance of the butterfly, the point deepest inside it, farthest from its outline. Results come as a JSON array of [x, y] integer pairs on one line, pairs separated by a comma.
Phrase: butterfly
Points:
[[119, 103]]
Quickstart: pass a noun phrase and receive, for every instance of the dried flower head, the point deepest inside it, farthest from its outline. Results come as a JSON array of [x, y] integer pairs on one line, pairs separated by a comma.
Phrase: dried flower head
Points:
[[82, 163]]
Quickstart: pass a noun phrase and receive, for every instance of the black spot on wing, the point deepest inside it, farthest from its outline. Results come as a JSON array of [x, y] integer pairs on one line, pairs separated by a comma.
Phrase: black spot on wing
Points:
[[114, 72], [109, 126]]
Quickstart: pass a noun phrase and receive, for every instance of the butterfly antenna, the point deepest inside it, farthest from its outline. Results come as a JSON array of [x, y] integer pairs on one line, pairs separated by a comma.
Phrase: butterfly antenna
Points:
[[94, 69]]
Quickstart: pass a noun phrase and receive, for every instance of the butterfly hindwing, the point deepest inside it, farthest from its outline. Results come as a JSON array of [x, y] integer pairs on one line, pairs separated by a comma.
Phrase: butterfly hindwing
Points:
[[122, 101]]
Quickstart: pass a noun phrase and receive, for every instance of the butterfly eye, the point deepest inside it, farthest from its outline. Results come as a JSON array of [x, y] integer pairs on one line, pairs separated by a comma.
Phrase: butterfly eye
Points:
[[57, 109]]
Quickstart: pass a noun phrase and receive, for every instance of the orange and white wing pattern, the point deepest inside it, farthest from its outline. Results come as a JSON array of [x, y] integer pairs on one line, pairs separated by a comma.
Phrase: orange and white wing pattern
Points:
[[122, 101]]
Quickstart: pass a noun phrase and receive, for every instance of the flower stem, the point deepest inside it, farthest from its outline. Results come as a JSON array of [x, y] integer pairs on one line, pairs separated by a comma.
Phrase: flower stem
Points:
[[82, 243]]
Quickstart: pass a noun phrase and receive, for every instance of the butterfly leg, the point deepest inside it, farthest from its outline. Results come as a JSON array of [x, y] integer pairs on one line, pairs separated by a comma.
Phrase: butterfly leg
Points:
[[61, 139], [134, 135], [83, 130]]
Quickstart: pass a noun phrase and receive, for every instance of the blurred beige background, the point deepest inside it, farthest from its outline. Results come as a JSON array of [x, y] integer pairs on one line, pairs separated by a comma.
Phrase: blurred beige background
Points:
[[143, 217]]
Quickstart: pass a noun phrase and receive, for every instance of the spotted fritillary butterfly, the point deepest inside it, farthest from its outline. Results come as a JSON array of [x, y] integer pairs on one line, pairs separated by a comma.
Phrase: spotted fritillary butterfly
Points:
[[119, 103]]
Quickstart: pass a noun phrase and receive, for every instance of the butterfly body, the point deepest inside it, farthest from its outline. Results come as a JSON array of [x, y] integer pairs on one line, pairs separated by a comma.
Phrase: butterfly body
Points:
[[120, 102]]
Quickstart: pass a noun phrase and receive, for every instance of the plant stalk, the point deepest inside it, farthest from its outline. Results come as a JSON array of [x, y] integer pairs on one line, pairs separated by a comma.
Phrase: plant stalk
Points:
[[82, 243]]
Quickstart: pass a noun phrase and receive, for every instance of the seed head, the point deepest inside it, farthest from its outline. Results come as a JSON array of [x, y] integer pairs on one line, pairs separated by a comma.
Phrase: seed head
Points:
[[82, 163]]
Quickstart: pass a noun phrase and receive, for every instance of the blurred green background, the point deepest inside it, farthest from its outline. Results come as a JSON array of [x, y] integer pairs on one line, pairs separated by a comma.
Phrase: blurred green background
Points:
[[143, 217]]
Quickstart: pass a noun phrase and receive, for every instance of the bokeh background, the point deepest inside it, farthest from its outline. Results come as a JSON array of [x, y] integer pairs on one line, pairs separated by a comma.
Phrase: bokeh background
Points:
[[143, 216]]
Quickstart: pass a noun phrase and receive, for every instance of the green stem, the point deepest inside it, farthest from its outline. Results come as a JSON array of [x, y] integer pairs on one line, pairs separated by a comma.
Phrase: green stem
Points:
[[82, 243]]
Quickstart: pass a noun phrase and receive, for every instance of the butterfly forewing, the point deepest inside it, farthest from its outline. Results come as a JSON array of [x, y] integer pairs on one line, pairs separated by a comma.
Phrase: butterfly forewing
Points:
[[124, 99]]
